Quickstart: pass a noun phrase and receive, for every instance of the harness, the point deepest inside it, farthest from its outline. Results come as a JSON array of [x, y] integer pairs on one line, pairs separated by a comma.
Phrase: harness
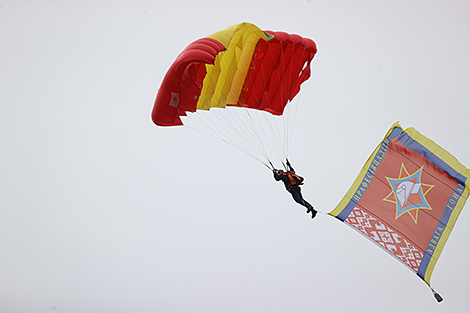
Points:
[[294, 179]]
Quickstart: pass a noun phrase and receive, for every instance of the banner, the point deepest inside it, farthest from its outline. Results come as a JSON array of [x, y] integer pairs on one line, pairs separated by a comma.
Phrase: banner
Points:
[[407, 198]]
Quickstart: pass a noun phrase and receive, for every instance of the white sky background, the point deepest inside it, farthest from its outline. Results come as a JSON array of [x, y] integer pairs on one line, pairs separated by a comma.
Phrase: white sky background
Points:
[[102, 211]]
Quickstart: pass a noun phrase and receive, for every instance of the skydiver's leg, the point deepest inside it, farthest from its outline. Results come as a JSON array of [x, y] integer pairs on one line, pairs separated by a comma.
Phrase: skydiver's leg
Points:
[[297, 195], [300, 200], [310, 208]]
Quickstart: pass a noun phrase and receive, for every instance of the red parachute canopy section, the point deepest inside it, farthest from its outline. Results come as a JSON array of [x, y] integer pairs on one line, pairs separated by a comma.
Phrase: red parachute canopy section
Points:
[[238, 66]]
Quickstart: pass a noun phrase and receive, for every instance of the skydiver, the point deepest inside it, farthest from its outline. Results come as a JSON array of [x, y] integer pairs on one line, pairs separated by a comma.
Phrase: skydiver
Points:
[[292, 182]]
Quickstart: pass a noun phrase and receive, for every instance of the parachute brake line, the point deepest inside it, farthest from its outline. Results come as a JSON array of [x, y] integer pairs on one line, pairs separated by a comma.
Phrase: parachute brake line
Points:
[[285, 166]]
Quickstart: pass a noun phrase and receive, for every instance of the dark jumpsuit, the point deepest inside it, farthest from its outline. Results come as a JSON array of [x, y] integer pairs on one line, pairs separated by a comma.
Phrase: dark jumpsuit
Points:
[[294, 190]]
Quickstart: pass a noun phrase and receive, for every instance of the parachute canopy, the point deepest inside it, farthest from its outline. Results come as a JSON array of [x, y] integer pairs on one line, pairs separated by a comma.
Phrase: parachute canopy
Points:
[[239, 66], [407, 199]]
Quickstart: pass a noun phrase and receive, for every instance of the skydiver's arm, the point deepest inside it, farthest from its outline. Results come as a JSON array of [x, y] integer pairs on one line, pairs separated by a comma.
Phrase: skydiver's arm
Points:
[[278, 177]]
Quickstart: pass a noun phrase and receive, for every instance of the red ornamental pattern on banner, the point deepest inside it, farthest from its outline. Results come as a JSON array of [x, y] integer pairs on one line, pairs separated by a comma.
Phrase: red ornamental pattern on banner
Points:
[[386, 237]]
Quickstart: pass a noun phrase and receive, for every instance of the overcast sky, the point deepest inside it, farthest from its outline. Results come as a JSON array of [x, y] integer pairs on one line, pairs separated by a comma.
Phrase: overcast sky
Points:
[[102, 211]]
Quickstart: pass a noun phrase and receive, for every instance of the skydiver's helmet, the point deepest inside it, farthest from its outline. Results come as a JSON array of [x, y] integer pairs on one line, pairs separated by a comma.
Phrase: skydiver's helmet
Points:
[[279, 172]]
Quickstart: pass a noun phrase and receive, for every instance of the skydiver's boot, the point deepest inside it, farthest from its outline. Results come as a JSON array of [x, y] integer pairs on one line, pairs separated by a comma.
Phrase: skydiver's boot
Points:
[[314, 212], [310, 209]]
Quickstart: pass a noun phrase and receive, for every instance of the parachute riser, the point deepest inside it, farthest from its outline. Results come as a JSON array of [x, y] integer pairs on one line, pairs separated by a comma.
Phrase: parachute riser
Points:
[[272, 166]]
